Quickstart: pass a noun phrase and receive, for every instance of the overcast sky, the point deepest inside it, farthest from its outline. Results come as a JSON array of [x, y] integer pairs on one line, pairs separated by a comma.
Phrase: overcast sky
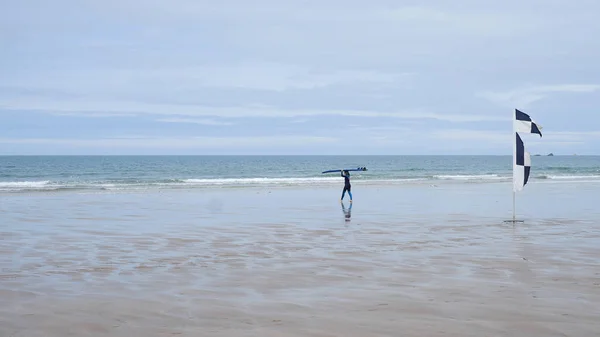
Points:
[[297, 77]]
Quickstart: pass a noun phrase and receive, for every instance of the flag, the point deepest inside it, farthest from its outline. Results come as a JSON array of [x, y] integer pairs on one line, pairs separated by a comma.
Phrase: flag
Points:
[[521, 165], [523, 123]]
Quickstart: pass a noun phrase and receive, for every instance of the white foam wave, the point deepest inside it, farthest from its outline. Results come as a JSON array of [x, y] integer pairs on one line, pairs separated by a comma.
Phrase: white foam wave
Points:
[[261, 181], [23, 185], [566, 177], [471, 177]]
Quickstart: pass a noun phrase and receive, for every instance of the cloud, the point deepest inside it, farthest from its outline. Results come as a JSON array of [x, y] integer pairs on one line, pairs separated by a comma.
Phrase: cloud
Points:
[[269, 76], [379, 140], [478, 136], [94, 115], [140, 142], [575, 134], [91, 108], [194, 121], [299, 121], [436, 16], [525, 96], [506, 138], [567, 136]]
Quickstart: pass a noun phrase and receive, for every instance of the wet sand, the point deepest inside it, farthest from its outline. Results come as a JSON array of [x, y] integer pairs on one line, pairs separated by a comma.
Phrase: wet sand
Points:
[[413, 260]]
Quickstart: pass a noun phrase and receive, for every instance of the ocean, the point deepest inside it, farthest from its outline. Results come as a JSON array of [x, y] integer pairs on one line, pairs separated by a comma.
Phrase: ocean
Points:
[[107, 173]]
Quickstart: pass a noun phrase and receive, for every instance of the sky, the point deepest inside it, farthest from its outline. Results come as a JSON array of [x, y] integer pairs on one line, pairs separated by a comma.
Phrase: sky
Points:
[[297, 77]]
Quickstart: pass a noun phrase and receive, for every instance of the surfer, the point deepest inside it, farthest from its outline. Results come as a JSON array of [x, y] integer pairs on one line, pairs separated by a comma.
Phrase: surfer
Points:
[[347, 186]]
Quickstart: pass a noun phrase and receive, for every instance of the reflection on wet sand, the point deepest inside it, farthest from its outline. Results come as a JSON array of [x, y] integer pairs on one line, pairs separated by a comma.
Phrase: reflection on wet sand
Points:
[[347, 211]]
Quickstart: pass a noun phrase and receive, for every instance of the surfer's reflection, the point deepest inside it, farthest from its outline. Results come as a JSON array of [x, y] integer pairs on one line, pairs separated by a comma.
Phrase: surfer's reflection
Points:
[[347, 212]]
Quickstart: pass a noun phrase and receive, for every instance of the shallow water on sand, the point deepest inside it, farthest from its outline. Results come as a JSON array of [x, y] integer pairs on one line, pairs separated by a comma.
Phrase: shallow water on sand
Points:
[[412, 261]]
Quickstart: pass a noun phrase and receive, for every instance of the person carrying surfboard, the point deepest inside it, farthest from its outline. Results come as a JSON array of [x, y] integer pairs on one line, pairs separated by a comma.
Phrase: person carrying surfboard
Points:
[[347, 186]]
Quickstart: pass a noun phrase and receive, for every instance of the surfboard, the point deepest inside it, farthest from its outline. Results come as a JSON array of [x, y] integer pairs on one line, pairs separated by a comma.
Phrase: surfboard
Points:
[[349, 170]]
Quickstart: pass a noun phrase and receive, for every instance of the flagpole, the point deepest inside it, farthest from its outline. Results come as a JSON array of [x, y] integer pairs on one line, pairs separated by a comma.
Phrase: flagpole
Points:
[[514, 141], [514, 158], [514, 219]]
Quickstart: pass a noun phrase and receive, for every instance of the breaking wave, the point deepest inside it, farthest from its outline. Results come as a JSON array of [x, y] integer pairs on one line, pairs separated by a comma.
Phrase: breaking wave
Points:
[[133, 184]]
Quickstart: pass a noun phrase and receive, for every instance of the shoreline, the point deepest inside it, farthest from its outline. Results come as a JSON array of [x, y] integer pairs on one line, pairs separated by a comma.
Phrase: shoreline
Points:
[[382, 183]]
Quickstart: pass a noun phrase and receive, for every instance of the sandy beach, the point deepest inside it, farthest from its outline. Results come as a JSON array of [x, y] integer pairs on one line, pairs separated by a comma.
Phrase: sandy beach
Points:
[[414, 260]]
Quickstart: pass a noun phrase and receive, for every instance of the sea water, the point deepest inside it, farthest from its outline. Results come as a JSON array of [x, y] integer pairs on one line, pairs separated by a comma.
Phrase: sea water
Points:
[[56, 173]]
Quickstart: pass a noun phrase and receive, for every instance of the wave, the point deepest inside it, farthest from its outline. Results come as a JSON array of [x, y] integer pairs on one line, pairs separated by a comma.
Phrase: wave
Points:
[[568, 177], [472, 177], [261, 181], [137, 184], [23, 185]]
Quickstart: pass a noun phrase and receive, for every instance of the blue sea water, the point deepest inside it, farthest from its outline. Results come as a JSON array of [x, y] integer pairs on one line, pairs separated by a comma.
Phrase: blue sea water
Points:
[[51, 173]]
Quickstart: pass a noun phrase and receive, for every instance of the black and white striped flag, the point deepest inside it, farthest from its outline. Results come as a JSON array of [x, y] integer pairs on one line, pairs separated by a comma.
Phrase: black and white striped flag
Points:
[[522, 165], [524, 123], [521, 158]]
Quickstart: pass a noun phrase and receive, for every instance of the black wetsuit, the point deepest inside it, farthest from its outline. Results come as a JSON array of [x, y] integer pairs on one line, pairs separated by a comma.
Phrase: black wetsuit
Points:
[[347, 186]]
